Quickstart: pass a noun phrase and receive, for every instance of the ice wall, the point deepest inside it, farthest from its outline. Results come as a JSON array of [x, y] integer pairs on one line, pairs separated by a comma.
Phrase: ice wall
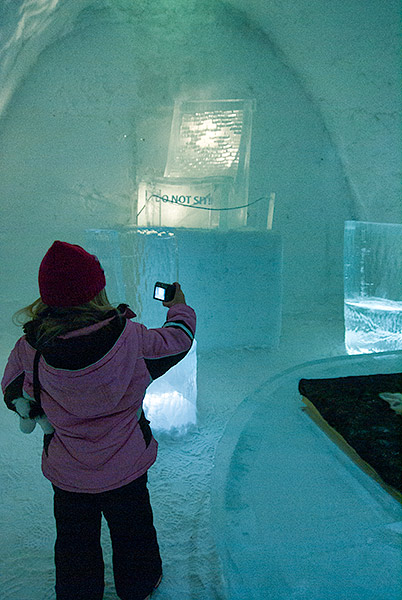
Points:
[[347, 57], [26, 28], [96, 108]]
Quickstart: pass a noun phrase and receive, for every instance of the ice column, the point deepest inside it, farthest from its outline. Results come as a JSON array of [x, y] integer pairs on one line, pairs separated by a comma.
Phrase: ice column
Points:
[[133, 259], [170, 403], [373, 287]]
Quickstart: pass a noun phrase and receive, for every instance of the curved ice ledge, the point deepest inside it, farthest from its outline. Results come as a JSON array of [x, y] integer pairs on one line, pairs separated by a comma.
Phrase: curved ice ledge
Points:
[[293, 516]]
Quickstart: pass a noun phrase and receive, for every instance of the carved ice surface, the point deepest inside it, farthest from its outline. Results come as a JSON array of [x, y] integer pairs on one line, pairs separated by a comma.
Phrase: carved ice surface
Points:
[[373, 287], [205, 139], [373, 325], [133, 260]]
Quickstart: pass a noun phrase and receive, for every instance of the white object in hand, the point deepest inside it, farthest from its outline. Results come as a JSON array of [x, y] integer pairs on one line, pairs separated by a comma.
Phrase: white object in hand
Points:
[[23, 406]]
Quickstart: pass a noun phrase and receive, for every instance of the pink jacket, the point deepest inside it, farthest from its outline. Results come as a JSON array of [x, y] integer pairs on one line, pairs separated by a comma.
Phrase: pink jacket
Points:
[[102, 440]]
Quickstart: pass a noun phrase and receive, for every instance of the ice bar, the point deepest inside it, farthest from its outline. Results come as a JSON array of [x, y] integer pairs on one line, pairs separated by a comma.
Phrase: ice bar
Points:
[[372, 287], [207, 168], [218, 270], [133, 260]]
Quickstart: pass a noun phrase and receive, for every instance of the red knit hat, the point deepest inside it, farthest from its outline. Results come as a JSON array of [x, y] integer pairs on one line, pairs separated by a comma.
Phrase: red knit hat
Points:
[[69, 275]]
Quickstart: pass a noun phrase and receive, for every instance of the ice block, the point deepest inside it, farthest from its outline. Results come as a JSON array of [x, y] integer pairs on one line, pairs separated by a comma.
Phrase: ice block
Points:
[[373, 287], [171, 401], [133, 260]]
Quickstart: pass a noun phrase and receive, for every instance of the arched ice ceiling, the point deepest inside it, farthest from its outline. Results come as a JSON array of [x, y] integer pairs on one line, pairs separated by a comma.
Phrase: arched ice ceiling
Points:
[[344, 53], [347, 56]]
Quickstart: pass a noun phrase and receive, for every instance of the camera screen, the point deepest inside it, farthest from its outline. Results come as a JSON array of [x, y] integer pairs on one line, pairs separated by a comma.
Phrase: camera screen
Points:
[[159, 293]]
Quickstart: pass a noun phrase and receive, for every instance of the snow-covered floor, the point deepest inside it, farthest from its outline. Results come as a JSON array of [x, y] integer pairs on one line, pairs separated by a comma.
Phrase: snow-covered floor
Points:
[[221, 496]]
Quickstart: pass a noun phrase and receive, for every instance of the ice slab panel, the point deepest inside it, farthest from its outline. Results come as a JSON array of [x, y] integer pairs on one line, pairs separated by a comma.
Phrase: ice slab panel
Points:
[[170, 401], [133, 260], [234, 281], [206, 137], [373, 287], [182, 202]]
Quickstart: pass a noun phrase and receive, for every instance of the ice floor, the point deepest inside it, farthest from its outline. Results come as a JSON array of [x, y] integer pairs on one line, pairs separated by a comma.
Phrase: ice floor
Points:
[[277, 514]]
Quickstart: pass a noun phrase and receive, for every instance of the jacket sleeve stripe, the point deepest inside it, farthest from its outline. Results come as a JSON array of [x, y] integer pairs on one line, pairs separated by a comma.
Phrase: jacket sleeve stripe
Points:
[[181, 326]]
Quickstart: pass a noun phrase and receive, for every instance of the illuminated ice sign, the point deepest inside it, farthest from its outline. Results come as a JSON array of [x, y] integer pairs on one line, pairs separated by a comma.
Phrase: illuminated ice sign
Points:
[[206, 174], [183, 202]]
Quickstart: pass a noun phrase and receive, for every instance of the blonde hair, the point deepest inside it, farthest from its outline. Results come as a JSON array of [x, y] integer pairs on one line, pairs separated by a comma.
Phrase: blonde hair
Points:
[[54, 321]]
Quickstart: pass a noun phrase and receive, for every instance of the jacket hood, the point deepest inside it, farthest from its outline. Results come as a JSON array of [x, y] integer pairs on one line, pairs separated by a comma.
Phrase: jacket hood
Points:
[[31, 329]]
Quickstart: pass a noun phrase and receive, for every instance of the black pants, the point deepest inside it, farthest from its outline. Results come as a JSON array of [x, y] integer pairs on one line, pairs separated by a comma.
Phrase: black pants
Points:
[[137, 564]]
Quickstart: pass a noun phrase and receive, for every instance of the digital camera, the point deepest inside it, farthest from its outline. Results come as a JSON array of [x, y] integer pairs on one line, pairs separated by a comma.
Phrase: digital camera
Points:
[[164, 292]]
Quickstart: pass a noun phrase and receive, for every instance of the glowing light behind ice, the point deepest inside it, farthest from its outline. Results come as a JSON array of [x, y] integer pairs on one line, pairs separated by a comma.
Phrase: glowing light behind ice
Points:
[[133, 260], [168, 410], [208, 143], [171, 401], [373, 287]]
